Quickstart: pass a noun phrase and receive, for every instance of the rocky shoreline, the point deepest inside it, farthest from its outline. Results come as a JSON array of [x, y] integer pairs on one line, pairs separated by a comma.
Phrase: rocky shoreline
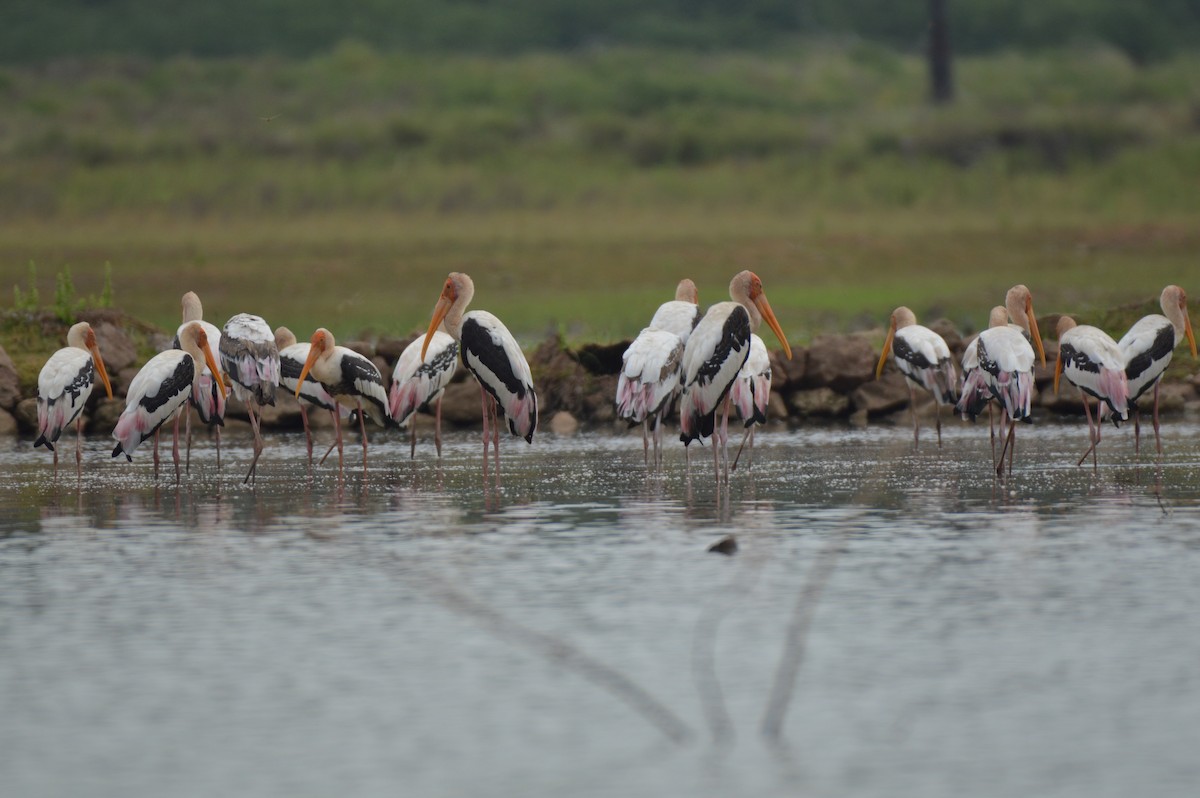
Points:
[[830, 380]]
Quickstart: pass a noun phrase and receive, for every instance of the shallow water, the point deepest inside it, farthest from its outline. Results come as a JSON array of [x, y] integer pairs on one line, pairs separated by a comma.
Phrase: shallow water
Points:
[[569, 633]]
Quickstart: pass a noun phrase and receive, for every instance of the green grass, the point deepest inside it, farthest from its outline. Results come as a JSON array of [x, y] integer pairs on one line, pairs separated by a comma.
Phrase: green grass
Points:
[[577, 190]]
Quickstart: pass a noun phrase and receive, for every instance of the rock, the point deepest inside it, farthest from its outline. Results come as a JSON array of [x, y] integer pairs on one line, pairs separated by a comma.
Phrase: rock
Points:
[[1172, 397], [160, 342], [883, 395], [10, 386], [364, 348], [950, 334], [390, 348], [121, 379], [602, 358], [858, 418], [1044, 375], [104, 417], [840, 362], [460, 404], [116, 347], [776, 407], [822, 401], [385, 371], [788, 374], [284, 414], [26, 414], [8, 423], [563, 423], [726, 545]]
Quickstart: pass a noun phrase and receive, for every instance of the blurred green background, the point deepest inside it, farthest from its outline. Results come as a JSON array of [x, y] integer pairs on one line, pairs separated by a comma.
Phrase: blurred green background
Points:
[[327, 164]]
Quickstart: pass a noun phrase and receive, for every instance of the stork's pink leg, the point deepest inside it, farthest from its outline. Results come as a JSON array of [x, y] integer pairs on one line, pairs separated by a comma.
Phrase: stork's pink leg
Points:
[[187, 463], [78, 444], [412, 449], [175, 445], [646, 441], [258, 442], [496, 435], [156, 452], [1157, 439], [437, 429], [937, 420], [912, 409], [483, 402], [1093, 432], [1137, 431], [307, 431], [362, 429]]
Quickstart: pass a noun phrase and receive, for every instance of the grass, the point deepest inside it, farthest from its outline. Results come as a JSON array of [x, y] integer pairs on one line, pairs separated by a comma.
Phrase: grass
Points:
[[577, 190]]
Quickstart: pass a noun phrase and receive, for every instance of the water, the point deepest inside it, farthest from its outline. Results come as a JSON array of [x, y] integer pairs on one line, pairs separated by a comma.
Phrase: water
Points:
[[571, 634]]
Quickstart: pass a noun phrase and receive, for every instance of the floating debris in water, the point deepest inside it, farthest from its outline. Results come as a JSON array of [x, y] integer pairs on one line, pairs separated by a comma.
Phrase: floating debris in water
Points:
[[726, 545]]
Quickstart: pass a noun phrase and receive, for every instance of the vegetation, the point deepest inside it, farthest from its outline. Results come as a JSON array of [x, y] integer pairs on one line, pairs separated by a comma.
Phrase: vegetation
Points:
[[577, 189]]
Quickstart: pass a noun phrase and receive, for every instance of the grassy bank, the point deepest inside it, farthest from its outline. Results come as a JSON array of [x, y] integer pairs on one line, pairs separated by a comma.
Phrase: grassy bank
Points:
[[577, 189]]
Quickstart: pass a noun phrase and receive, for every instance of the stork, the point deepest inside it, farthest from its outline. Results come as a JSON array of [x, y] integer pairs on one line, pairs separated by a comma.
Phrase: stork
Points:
[[417, 384], [923, 358], [492, 355], [64, 385], [251, 359], [1092, 362], [208, 401], [292, 356]]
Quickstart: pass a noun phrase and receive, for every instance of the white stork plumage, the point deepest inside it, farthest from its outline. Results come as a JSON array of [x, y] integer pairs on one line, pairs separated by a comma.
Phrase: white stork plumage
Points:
[[292, 356], [251, 360], [1006, 367], [975, 393], [715, 353], [923, 357], [161, 389], [651, 366], [351, 379], [417, 384], [1092, 362], [208, 401], [492, 355], [751, 391], [64, 385], [1147, 349]]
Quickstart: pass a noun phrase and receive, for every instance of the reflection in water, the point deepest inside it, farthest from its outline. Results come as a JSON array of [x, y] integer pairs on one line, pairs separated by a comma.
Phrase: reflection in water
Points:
[[893, 622]]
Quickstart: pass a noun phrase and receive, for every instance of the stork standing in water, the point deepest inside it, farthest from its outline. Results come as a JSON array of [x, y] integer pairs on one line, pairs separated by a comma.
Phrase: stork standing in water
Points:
[[651, 366], [492, 355], [1092, 362], [251, 359], [923, 358], [64, 385], [417, 384], [1147, 349], [751, 392], [975, 393], [208, 401], [161, 389], [292, 356], [715, 353], [352, 380], [1006, 368]]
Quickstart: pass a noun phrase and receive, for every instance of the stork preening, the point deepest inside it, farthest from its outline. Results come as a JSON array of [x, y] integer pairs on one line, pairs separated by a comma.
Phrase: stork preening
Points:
[[161, 389], [492, 355], [1092, 362], [715, 353], [923, 358], [64, 385], [352, 380], [208, 401], [292, 356], [751, 392], [417, 384], [1006, 367], [251, 359], [1147, 349], [651, 366]]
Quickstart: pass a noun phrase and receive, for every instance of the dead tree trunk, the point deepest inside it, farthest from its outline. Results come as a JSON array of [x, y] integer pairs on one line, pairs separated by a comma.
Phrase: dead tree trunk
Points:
[[941, 78]]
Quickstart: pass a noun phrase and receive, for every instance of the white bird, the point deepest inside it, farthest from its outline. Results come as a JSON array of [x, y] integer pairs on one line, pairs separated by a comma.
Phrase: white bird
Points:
[[923, 358], [751, 391], [251, 360], [417, 384], [1092, 362], [64, 385], [161, 388], [292, 356], [208, 401], [651, 365], [1147, 349], [715, 353], [351, 379], [1006, 366], [492, 355]]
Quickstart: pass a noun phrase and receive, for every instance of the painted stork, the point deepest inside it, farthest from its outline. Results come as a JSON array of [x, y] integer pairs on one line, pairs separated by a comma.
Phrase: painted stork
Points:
[[417, 384], [975, 393], [751, 391], [651, 365], [161, 389], [64, 385], [1006, 362], [1092, 362], [924, 359], [715, 353], [1147, 349], [351, 379], [251, 360], [208, 401], [492, 355], [292, 356]]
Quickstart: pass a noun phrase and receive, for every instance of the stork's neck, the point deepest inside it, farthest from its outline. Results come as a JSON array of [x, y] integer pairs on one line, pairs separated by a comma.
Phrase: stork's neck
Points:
[[1019, 317], [755, 317], [1175, 315]]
